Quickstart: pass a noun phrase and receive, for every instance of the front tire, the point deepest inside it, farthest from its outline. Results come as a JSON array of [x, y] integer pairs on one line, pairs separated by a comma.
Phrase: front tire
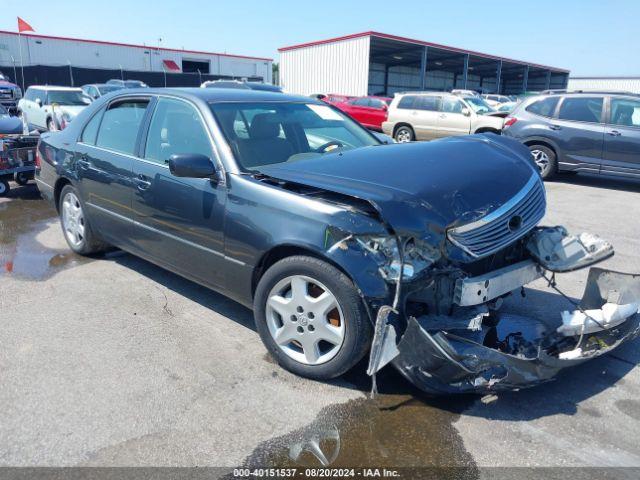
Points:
[[545, 159], [75, 224], [404, 134], [4, 187], [311, 318]]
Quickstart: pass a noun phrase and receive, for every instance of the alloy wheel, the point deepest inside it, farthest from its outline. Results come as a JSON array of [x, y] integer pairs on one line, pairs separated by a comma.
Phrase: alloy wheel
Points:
[[403, 136], [73, 220], [541, 159], [305, 320]]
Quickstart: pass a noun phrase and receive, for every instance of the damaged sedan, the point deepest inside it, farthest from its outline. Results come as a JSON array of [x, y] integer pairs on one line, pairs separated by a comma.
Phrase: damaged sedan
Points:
[[342, 245]]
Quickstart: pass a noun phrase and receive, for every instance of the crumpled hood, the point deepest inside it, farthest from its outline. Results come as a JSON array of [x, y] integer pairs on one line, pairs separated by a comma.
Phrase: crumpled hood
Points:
[[421, 188]]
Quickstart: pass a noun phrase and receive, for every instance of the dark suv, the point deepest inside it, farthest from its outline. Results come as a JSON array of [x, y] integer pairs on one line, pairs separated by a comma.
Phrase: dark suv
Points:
[[596, 132]]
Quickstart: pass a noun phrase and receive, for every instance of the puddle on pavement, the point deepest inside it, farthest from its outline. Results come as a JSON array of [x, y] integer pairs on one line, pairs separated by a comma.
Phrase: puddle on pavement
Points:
[[400, 428], [24, 215]]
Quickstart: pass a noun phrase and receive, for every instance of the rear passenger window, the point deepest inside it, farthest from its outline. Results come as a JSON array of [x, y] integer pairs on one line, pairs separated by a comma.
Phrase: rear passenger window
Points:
[[90, 131], [120, 125], [581, 109], [427, 103], [625, 112], [361, 102], [175, 128], [407, 102], [544, 107]]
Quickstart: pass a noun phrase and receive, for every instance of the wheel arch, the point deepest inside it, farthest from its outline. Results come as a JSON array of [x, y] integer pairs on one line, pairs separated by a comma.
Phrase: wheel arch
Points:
[[402, 124], [57, 190], [360, 269], [487, 130], [541, 141]]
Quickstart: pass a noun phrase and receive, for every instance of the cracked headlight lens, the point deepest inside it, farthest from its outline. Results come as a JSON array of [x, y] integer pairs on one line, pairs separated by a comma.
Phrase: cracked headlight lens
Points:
[[417, 256]]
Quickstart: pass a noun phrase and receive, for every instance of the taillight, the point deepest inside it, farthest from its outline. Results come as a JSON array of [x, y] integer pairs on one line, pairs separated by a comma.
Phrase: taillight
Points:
[[509, 121], [38, 157]]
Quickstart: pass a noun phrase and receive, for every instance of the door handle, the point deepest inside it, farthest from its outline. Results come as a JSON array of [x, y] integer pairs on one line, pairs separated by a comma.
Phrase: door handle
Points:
[[614, 133], [83, 163], [555, 127], [142, 183]]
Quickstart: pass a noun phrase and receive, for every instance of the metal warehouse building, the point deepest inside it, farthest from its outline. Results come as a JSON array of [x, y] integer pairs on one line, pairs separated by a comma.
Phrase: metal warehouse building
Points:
[[373, 63], [62, 51], [626, 84]]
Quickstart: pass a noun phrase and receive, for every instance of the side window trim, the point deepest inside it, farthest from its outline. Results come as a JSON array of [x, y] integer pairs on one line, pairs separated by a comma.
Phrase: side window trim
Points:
[[117, 101], [100, 112]]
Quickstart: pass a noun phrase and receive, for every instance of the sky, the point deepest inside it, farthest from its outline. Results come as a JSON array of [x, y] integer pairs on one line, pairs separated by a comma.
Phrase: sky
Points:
[[589, 37]]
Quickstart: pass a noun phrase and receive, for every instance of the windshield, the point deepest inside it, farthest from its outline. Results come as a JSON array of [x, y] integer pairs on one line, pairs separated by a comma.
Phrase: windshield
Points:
[[134, 84], [264, 87], [67, 97], [478, 105], [104, 89], [265, 133]]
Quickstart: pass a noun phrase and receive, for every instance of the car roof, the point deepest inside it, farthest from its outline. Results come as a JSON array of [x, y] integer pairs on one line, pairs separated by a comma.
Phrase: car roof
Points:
[[53, 87], [220, 95]]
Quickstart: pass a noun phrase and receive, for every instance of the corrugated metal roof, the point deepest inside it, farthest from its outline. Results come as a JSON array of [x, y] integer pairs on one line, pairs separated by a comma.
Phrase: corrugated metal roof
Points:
[[418, 42]]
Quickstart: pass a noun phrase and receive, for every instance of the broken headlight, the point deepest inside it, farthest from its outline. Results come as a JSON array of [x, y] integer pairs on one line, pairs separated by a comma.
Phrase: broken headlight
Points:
[[418, 255]]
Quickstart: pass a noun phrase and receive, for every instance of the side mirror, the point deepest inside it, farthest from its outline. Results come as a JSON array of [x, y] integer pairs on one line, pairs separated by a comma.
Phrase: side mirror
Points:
[[192, 165], [466, 112], [39, 102]]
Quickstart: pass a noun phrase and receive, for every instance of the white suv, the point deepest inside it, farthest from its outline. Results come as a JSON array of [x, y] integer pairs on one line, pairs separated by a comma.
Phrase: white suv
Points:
[[426, 116], [40, 103]]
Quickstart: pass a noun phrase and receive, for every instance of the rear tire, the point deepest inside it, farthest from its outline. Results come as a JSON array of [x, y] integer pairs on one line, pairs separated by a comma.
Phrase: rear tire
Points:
[[545, 159], [22, 178], [404, 134], [75, 224], [320, 340]]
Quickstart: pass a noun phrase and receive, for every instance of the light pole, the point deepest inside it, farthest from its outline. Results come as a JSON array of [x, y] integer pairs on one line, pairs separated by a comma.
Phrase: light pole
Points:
[[15, 72]]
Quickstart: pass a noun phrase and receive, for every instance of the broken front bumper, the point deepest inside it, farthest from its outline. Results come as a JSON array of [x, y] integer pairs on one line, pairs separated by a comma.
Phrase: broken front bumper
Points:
[[512, 352]]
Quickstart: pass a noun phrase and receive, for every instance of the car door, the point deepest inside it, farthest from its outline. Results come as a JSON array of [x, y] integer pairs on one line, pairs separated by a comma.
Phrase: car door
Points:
[[378, 112], [622, 136], [425, 117], [103, 162], [451, 119], [578, 131], [359, 109], [38, 113], [179, 220]]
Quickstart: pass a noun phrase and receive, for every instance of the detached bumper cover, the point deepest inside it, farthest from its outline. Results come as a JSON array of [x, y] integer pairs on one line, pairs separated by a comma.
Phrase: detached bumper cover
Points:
[[517, 352]]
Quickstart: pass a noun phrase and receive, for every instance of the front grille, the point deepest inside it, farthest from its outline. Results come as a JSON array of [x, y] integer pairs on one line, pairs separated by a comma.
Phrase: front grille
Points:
[[4, 93], [504, 225]]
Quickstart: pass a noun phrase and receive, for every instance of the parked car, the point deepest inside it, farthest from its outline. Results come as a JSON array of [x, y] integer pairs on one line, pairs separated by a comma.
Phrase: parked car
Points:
[[238, 84], [51, 108], [335, 99], [580, 132], [290, 207], [494, 100], [9, 124], [506, 107], [369, 111], [96, 90], [460, 91], [426, 116], [127, 83], [10, 94]]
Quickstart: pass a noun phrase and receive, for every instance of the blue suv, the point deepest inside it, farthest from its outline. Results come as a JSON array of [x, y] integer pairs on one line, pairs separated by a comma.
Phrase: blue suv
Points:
[[597, 132]]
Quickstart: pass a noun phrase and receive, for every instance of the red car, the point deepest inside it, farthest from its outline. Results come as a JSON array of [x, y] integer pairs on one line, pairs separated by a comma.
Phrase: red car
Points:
[[369, 111], [335, 99]]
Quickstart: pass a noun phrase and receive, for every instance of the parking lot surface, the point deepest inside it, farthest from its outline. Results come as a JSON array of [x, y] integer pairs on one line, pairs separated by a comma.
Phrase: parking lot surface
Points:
[[112, 361]]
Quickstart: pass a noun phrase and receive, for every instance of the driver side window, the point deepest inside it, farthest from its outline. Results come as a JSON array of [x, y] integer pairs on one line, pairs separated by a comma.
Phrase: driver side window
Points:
[[451, 105], [175, 128]]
